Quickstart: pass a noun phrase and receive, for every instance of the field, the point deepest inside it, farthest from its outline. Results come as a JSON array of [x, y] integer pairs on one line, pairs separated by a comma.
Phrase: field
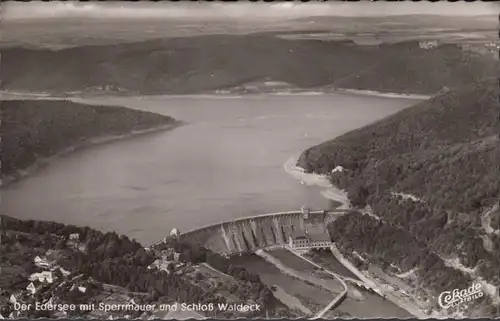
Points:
[[360, 29]]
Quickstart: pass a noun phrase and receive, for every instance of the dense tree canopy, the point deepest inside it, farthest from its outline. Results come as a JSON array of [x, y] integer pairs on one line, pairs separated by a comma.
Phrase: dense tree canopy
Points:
[[431, 173]]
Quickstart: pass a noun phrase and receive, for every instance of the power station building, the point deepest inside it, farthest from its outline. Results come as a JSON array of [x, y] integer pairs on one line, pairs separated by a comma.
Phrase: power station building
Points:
[[310, 236], [299, 240]]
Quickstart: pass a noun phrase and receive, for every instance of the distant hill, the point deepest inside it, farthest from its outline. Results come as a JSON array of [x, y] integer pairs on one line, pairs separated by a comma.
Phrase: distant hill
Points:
[[412, 71], [214, 62], [431, 171], [35, 129]]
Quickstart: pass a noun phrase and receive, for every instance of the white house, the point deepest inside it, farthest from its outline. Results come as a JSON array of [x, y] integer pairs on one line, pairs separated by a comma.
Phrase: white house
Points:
[[174, 232], [45, 276], [160, 265], [60, 314], [428, 44], [74, 237], [14, 315], [14, 298], [338, 169], [41, 262], [64, 272], [32, 288], [176, 256]]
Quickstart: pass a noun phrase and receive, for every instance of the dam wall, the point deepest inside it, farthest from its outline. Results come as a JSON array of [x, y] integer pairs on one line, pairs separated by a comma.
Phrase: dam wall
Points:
[[257, 232]]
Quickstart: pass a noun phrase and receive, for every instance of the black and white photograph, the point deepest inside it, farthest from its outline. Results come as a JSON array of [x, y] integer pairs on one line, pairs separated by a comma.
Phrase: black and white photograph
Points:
[[260, 160]]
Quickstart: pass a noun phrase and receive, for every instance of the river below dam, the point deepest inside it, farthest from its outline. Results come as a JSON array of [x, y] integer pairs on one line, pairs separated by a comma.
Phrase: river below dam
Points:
[[227, 162]]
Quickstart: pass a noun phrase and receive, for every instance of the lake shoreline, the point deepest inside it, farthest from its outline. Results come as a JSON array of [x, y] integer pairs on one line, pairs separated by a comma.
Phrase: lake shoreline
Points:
[[41, 163], [299, 92], [375, 93]]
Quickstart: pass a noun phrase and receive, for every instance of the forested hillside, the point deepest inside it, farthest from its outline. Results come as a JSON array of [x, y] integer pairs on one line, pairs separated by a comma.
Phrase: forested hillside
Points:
[[97, 260], [430, 170], [211, 62], [34, 129]]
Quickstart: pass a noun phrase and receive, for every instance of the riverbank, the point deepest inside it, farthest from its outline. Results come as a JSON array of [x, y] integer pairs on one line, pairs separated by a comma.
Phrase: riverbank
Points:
[[414, 310]]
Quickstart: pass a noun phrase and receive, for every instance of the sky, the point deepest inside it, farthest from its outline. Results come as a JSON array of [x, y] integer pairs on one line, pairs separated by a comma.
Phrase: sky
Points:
[[240, 10]]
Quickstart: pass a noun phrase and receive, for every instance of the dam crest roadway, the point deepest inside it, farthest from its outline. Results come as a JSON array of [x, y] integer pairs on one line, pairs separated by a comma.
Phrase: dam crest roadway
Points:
[[249, 234]]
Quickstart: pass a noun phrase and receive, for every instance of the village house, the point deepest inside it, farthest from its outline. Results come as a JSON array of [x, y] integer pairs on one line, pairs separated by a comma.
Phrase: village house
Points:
[[161, 265], [64, 272], [80, 288], [74, 237], [14, 315], [15, 297], [338, 169], [61, 314], [428, 44], [34, 287], [42, 277], [41, 262], [174, 232]]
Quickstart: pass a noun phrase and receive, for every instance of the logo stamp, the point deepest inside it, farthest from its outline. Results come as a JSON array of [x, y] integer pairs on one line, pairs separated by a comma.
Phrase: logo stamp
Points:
[[456, 297]]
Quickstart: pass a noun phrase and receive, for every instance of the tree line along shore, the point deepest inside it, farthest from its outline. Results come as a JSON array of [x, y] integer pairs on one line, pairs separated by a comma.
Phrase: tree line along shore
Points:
[[35, 130]]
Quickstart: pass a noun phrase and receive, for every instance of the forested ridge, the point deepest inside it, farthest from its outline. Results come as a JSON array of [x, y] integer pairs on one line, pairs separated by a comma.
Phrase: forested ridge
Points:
[[34, 129], [210, 62], [430, 170]]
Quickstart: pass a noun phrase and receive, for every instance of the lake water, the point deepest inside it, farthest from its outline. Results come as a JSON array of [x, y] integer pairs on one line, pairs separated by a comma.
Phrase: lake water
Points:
[[226, 162]]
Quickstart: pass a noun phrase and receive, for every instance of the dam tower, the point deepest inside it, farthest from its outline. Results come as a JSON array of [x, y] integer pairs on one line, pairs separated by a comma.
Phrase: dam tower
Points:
[[305, 212]]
